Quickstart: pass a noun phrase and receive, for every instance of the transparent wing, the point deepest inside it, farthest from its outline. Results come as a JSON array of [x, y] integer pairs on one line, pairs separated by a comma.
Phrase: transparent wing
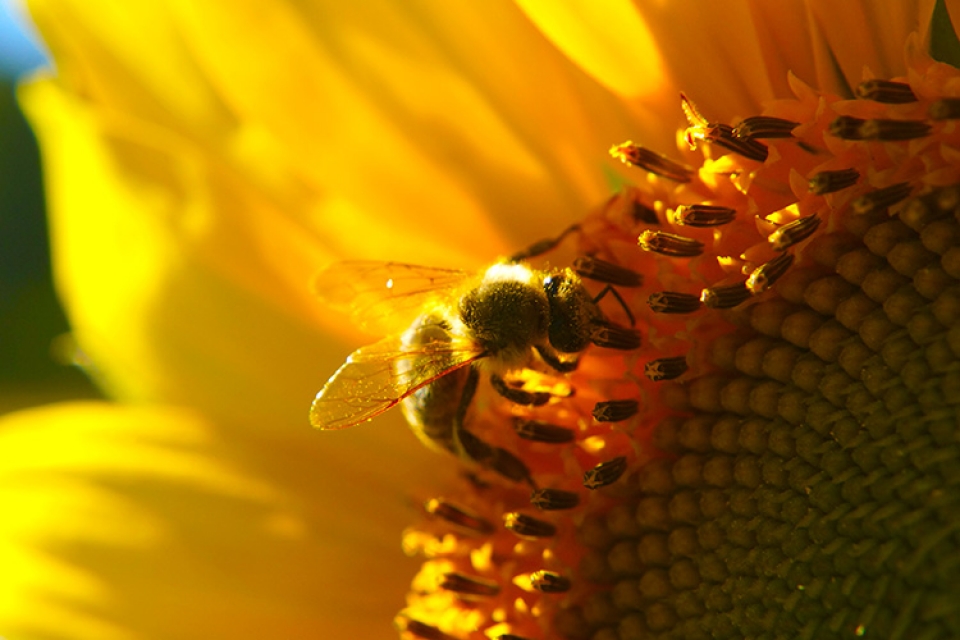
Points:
[[377, 377], [384, 297]]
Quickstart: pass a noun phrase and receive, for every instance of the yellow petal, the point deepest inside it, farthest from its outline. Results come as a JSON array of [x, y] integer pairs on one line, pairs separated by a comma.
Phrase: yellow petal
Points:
[[149, 523]]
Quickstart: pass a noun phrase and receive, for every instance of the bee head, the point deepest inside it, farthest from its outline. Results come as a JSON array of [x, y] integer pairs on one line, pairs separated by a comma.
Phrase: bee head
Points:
[[572, 312]]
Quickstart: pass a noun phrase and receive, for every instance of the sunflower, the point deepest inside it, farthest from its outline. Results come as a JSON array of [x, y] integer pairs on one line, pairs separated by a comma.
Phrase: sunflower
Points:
[[774, 460]]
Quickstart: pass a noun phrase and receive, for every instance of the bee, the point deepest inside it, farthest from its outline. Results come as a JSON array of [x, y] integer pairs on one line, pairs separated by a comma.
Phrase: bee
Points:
[[457, 325]]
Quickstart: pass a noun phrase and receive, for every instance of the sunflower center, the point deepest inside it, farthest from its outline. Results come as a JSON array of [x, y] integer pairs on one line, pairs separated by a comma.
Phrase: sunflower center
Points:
[[779, 458]]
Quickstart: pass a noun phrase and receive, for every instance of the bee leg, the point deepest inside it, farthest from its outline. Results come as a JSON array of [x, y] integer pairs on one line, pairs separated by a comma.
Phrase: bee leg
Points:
[[473, 448], [550, 357], [519, 396], [543, 246], [616, 294]]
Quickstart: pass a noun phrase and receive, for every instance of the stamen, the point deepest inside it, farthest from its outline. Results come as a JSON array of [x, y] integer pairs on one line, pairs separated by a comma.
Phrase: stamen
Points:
[[613, 337], [554, 499], [670, 244], [421, 630], [527, 526], [466, 585], [850, 128], [673, 302], [765, 127], [455, 515], [543, 432], [643, 158], [702, 215], [763, 277], [830, 181], [945, 109], [605, 473], [720, 134], [666, 368], [725, 297], [603, 271], [793, 232], [881, 198], [886, 91], [615, 410], [549, 582]]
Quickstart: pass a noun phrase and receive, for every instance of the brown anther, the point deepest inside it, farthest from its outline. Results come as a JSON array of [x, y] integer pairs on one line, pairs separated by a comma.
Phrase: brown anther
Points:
[[651, 161], [850, 128], [468, 586], [944, 109], [615, 410], [612, 336], [605, 473], [554, 499], [455, 515], [830, 181], [603, 271], [747, 147], [421, 629], [665, 368], [889, 130], [543, 432], [720, 134], [511, 636], [640, 212], [549, 582], [673, 302], [726, 296], [881, 198], [885, 91], [765, 127], [793, 232], [846, 127], [527, 526], [703, 215], [764, 276], [670, 244], [510, 466]]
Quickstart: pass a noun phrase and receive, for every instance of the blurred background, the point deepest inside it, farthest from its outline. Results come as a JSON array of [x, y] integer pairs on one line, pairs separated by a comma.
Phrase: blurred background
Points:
[[34, 344]]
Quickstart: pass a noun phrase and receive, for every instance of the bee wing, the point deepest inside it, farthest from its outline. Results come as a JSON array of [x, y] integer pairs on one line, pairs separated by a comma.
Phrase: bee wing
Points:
[[382, 297], [377, 377]]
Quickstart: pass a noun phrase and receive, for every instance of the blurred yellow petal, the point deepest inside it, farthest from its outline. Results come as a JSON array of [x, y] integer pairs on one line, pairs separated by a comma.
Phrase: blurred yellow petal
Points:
[[150, 523], [608, 39]]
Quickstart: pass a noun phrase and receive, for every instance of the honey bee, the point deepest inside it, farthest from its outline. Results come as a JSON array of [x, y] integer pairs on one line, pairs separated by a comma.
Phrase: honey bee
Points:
[[457, 324]]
